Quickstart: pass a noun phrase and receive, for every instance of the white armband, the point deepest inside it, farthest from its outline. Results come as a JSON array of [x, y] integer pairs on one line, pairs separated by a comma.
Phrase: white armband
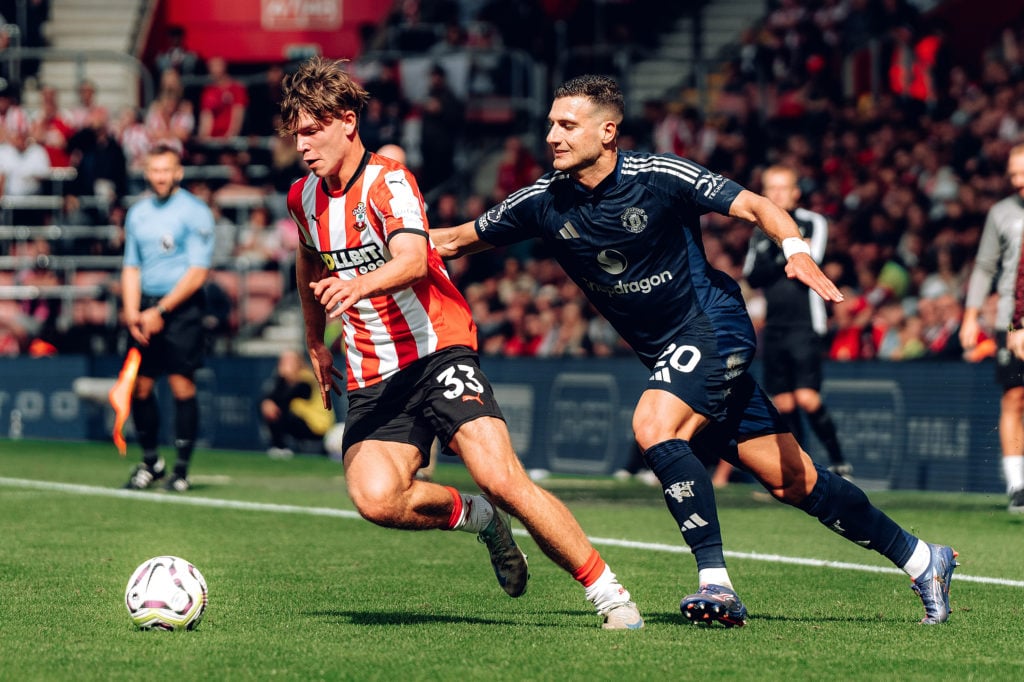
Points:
[[793, 245]]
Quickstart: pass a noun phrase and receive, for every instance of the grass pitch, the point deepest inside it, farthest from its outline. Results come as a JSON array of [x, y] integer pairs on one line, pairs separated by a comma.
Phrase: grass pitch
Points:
[[302, 589]]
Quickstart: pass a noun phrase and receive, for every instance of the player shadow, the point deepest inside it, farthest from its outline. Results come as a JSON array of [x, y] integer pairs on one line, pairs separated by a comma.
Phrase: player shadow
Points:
[[405, 618]]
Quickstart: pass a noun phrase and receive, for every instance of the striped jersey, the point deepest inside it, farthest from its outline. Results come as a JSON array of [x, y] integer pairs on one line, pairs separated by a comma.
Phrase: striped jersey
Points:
[[633, 245], [350, 230]]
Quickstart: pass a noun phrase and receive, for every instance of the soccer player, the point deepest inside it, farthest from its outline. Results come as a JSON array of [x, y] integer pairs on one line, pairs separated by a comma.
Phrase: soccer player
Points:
[[626, 227], [413, 373], [167, 253], [999, 252], [795, 320]]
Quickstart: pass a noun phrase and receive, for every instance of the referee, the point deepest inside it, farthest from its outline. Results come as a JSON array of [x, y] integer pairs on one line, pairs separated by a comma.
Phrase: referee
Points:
[[795, 320], [168, 250]]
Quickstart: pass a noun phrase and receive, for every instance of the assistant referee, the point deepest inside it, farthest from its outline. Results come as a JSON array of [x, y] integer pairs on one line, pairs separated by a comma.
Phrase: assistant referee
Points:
[[168, 251]]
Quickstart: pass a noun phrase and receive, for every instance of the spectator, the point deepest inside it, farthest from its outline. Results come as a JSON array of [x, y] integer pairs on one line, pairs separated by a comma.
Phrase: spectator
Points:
[[442, 119], [259, 242], [99, 159], [170, 118], [222, 105], [178, 57], [49, 129], [23, 165], [12, 116], [291, 409], [264, 103], [83, 113]]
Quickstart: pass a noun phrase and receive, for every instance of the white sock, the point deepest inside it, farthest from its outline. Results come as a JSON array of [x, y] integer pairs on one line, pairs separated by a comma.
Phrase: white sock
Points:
[[714, 576], [606, 593], [919, 561], [1013, 471], [476, 514]]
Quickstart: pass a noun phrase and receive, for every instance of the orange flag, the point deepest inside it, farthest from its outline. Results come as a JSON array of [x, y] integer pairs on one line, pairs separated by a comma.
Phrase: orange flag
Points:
[[121, 396]]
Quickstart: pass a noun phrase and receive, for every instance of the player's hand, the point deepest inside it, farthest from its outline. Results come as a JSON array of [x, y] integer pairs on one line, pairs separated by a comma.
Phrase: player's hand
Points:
[[802, 267], [326, 372], [969, 334], [337, 295], [1015, 342]]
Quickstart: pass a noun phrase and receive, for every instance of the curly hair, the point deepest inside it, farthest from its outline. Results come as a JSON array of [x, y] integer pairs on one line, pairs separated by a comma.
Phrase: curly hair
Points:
[[322, 89], [603, 91]]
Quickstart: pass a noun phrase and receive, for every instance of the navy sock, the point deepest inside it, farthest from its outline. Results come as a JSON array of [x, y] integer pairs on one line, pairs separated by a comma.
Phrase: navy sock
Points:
[[846, 510], [146, 418], [186, 427], [690, 498], [825, 429]]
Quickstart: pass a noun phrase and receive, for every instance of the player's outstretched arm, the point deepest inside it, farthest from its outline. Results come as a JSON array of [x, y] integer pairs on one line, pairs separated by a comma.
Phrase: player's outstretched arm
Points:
[[461, 240], [778, 225]]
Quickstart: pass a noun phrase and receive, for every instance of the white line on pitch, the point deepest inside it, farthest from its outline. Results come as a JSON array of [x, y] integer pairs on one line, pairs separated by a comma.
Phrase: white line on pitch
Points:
[[348, 514]]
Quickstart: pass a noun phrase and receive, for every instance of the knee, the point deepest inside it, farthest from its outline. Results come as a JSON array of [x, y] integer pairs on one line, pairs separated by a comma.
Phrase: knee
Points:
[[1013, 402], [649, 432], [375, 504]]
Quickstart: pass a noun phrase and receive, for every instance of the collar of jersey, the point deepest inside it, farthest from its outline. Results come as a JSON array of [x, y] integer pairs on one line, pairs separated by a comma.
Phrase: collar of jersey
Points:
[[610, 181], [351, 181]]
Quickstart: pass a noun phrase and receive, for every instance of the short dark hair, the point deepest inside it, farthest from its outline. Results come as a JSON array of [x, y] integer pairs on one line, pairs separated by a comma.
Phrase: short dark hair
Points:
[[322, 89], [603, 91]]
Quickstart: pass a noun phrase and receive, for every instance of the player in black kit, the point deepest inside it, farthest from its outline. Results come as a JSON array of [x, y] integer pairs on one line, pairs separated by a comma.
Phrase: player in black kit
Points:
[[626, 228]]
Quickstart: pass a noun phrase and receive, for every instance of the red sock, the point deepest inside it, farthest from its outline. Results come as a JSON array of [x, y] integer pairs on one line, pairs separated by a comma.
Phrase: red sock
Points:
[[591, 570], [456, 507]]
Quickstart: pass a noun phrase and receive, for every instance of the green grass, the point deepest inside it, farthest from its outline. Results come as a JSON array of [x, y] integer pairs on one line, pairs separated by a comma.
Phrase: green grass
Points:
[[296, 596]]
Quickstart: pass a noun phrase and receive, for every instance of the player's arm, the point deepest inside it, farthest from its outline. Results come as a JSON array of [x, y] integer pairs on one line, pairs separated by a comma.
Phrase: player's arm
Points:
[[408, 265], [461, 240], [309, 269], [779, 226], [986, 264]]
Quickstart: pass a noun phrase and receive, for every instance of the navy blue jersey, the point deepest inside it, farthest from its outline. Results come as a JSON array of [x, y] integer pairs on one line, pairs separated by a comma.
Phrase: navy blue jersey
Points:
[[633, 245]]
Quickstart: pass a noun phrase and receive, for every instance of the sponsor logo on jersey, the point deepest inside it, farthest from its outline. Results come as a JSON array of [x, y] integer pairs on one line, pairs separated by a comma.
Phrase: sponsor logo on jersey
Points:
[[363, 259], [167, 243], [359, 213], [640, 286], [634, 219], [612, 262], [710, 184]]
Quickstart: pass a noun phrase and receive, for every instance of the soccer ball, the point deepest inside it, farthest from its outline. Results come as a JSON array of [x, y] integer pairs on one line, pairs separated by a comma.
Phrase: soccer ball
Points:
[[166, 592]]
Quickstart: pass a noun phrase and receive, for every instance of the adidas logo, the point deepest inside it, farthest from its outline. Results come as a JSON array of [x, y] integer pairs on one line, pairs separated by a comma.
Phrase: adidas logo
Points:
[[568, 231], [662, 375], [695, 521]]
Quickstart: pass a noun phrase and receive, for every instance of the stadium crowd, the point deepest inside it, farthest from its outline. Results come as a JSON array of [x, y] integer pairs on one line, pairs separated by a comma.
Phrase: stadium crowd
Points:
[[905, 172]]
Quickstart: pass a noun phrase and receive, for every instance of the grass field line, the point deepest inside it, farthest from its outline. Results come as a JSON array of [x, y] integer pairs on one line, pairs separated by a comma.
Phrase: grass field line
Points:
[[241, 505]]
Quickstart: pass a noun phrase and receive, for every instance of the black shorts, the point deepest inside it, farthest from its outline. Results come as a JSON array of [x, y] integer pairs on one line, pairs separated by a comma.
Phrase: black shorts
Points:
[[791, 360], [430, 398], [178, 349], [1009, 368]]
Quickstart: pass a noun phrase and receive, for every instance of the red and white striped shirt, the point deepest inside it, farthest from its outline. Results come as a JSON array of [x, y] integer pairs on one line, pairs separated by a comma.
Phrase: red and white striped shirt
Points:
[[350, 230]]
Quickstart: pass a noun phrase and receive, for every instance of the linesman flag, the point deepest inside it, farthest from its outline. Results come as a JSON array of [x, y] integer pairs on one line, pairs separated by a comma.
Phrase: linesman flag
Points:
[[121, 396]]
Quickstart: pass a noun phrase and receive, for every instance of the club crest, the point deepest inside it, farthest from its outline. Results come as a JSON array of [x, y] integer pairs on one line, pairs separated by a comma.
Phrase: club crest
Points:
[[634, 219], [359, 213]]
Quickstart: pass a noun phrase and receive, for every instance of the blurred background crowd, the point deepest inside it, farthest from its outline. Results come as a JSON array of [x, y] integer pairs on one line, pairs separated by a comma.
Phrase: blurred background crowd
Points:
[[898, 134]]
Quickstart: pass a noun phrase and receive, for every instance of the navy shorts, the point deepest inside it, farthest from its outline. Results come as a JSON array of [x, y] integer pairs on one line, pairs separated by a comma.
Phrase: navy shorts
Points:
[[792, 360], [430, 398], [179, 347], [692, 369]]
